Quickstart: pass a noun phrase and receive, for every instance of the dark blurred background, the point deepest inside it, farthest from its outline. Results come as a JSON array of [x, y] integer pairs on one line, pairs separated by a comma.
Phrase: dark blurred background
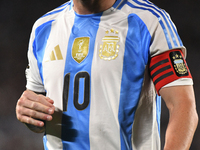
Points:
[[16, 20]]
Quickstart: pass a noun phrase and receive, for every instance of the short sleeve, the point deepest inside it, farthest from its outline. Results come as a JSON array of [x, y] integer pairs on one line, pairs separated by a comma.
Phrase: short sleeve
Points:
[[164, 35], [33, 77], [167, 65]]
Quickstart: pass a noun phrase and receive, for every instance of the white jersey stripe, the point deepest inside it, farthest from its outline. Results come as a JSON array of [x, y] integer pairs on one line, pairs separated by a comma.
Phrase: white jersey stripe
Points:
[[104, 124]]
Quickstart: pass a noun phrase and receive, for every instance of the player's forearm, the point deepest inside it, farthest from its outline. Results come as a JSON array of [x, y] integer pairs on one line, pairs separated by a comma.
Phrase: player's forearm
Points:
[[182, 125]]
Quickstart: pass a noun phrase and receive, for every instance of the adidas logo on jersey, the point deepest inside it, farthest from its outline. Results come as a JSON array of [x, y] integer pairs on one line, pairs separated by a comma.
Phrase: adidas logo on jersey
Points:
[[55, 54]]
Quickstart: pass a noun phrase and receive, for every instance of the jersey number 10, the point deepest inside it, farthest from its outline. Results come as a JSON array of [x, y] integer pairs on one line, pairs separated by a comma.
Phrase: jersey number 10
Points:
[[86, 98]]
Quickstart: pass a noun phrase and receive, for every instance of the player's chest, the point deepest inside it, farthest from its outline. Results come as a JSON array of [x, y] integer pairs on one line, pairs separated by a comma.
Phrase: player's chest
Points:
[[90, 43]]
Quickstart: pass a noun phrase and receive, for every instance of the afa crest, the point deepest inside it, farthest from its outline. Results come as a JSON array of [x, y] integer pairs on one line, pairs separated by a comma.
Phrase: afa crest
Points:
[[80, 48], [110, 48], [178, 63]]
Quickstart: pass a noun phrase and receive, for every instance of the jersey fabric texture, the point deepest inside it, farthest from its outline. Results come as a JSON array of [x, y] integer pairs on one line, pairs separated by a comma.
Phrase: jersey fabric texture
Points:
[[96, 69]]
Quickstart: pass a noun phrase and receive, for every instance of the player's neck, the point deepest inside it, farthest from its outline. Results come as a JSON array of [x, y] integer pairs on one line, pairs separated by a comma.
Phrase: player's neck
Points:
[[92, 6]]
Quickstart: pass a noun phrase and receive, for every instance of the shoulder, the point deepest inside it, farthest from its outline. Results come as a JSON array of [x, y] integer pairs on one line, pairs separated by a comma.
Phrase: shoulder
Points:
[[148, 12], [158, 22], [51, 16]]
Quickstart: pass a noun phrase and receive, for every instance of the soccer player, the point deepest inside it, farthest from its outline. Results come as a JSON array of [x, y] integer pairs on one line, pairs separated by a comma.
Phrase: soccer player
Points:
[[104, 66]]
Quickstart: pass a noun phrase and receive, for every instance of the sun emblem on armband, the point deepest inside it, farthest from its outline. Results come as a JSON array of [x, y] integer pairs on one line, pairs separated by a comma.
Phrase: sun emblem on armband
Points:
[[109, 49]]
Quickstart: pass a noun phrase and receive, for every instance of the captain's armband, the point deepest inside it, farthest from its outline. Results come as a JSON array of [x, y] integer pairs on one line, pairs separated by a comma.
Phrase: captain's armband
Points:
[[168, 67]]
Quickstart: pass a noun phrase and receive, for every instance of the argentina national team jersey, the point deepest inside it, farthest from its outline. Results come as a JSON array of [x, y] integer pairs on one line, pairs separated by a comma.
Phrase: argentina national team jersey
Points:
[[95, 68]]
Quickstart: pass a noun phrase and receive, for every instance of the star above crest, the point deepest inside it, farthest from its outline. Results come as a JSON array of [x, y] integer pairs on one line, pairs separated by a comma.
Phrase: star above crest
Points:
[[112, 31]]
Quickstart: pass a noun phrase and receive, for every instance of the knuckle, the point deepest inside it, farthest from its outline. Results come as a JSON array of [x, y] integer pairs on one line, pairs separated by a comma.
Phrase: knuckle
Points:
[[39, 98], [19, 114], [18, 110], [20, 101], [33, 114], [33, 105], [24, 94], [20, 118], [28, 120]]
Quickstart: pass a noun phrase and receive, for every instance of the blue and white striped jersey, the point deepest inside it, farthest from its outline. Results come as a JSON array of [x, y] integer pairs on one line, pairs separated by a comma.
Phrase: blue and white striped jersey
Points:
[[95, 68]]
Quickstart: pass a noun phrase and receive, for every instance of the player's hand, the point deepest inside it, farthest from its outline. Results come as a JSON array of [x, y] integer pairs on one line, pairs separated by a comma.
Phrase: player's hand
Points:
[[32, 108]]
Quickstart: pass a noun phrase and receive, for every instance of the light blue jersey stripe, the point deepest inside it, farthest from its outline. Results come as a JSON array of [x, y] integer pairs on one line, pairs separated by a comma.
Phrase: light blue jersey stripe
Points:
[[39, 44], [76, 122], [45, 142], [158, 111], [132, 76]]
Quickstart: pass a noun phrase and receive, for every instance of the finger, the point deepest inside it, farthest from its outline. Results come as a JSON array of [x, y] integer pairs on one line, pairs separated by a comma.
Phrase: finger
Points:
[[50, 100], [23, 113], [36, 114], [31, 121], [27, 119], [38, 98], [36, 106], [44, 100]]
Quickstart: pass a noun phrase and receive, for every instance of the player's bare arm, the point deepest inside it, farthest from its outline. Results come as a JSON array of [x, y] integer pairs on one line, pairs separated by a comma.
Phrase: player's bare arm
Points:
[[34, 109], [183, 120]]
